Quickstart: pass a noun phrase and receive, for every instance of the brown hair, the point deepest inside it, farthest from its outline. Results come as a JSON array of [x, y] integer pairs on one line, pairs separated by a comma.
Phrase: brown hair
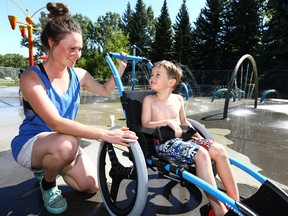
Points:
[[173, 71], [60, 23]]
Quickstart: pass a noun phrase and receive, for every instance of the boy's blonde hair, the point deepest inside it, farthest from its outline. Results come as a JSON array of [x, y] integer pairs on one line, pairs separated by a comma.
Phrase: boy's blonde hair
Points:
[[173, 71]]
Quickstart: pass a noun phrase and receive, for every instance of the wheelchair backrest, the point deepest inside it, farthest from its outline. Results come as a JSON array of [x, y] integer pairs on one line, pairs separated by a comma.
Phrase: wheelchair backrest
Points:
[[132, 105]]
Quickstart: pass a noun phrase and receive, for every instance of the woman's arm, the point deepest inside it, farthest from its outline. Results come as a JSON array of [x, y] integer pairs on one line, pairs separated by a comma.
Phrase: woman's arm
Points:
[[90, 84], [33, 91]]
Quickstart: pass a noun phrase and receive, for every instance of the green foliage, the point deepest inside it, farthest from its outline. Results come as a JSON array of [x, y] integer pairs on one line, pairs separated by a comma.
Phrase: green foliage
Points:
[[151, 25], [105, 27], [274, 51], [139, 27], [126, 20], [162, 45], [103, 36], [14, 61], [241, 30], [207, 36], [88, 34], [118, 42], [182, 36]]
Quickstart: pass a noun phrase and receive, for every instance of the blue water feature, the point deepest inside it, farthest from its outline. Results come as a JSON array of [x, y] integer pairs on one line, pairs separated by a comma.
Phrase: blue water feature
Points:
[[186, 90], [265, 93], [223, 90]]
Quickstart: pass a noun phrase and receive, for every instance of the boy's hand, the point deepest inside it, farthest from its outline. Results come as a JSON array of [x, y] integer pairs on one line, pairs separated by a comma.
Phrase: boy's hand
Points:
[[176, 128]]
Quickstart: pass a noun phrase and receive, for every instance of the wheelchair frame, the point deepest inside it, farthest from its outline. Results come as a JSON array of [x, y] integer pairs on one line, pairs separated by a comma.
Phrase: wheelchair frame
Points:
[[136, 175]]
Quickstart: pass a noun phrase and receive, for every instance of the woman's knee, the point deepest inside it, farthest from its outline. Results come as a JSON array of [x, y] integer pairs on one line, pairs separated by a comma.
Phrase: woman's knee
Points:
[[89, 185], [82, 183], [66, 147], [93, 188]]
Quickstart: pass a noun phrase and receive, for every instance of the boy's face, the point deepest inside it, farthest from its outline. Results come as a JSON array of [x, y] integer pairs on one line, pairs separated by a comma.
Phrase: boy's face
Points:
[[159, 79]]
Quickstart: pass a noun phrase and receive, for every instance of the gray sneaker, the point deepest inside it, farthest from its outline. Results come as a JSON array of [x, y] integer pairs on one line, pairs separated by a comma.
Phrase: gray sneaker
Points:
[[54, 202]]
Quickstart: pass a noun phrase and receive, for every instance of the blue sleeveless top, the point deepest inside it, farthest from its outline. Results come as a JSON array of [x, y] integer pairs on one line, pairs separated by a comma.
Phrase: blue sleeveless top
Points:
[[67, 104]]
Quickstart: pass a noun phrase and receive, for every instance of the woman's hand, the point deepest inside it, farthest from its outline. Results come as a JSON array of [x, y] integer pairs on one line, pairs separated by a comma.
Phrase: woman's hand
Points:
[[122, 136], [122, 63]]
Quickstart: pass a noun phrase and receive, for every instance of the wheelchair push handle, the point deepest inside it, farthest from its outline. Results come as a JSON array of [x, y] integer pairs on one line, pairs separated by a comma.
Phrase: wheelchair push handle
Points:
[[130, 58], [108, 57]]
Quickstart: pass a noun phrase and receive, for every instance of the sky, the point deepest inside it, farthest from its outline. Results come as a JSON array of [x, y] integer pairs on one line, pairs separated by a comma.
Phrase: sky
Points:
[[10, 39]]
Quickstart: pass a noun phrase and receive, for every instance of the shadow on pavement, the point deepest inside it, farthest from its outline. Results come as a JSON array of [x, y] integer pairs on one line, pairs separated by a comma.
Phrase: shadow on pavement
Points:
[[25, 199], [164, 197]]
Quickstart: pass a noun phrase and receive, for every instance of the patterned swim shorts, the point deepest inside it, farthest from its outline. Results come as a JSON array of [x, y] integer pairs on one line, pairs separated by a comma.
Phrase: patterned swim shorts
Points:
[[183, 151]]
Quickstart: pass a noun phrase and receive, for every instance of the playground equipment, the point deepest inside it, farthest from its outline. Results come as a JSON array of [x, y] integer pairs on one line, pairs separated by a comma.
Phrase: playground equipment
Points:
[[29, 26], [265, 93], [244, 79], [223, 90], [186, 90], [124, 182]]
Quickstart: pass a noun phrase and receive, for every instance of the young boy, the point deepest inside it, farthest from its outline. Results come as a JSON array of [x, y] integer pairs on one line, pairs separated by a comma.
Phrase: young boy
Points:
[[167, 109]]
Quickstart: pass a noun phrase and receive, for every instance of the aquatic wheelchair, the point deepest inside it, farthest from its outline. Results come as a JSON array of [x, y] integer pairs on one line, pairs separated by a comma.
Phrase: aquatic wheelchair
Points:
[[123, 176]]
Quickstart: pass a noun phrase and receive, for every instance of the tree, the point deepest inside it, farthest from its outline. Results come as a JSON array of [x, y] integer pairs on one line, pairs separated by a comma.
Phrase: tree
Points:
[[126, 20], [107, 37], [182, 36], [14, 61], [88, 34], [241, 31], [162, 45], [274, 51], [275, 36], [106, 26], [116, 43], [207, 36], [151, 31], [139, 27]]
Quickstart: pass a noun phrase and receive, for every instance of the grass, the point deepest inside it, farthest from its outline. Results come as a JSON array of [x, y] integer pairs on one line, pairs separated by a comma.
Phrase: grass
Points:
[[4, 82]]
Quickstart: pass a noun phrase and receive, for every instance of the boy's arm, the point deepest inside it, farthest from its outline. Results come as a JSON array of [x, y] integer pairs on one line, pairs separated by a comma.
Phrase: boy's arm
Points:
[[184, 120], [182, 114]]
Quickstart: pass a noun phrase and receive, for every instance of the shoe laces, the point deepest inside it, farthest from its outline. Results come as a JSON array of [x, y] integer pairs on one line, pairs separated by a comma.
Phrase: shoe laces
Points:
[[53, 195]]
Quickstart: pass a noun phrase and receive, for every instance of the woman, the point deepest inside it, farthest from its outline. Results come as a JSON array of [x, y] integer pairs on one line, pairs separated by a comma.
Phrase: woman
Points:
[[48, 136]]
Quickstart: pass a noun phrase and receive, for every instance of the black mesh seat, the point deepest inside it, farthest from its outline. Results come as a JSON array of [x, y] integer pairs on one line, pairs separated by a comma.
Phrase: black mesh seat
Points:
[[132, 105]]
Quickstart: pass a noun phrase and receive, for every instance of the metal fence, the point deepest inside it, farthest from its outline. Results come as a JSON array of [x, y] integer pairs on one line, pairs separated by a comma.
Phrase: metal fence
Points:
[[9, 73]]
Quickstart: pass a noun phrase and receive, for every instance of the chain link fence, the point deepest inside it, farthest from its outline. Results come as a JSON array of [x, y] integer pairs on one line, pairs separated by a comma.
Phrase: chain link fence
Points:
[[9, 73]]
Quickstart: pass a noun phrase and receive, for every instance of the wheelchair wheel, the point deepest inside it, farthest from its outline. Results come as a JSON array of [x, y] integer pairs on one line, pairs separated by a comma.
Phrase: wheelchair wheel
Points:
[[123, 178], [201, 129]]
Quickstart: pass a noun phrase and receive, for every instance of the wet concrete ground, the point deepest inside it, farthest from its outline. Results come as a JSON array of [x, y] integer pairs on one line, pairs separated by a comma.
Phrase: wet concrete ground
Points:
[[257, 137]]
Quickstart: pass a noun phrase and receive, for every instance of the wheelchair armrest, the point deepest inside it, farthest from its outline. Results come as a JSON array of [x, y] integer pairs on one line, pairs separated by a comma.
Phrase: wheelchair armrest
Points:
[[165, 133]]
